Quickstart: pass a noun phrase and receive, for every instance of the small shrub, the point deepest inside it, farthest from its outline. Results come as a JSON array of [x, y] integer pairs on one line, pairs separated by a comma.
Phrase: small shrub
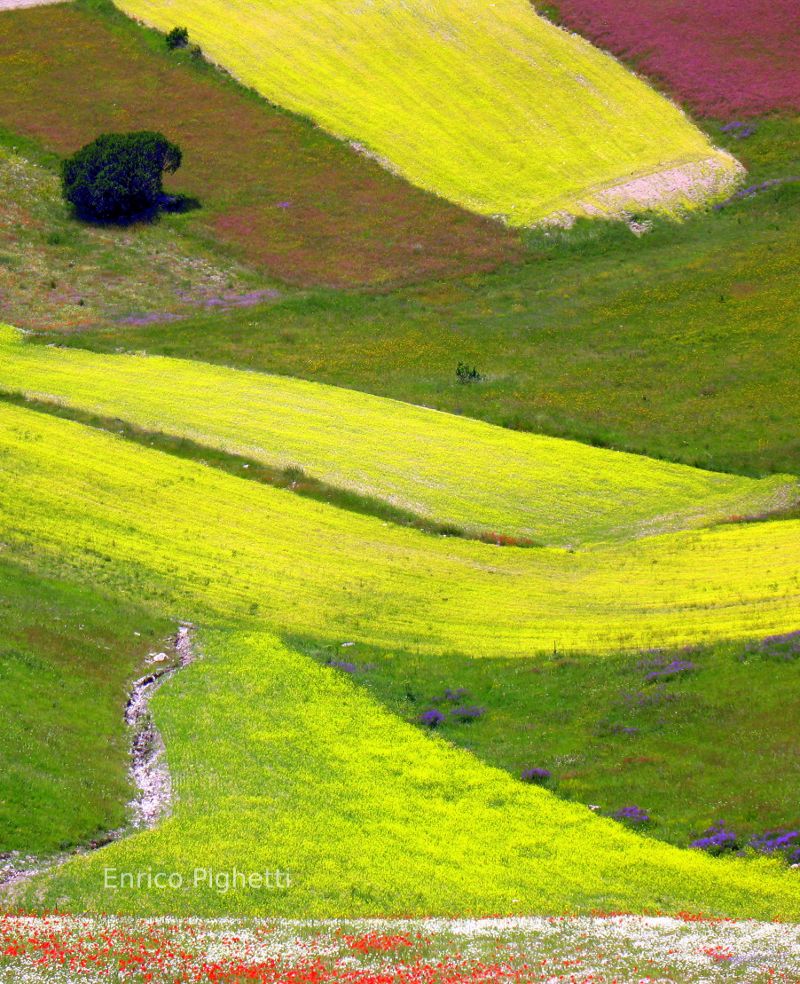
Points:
[[451, 696], [343, 665], [467, 374], [467, 714], [178, 37], [676, 668], [119, 176], [783, 843], [717, 840]]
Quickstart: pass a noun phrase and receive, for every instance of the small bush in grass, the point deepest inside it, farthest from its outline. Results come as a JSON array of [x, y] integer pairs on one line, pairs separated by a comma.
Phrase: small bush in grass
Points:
[[178, 37], [780, 843], [119, 176], [431, 719], [467, 374], [467, 714], [717, 840]]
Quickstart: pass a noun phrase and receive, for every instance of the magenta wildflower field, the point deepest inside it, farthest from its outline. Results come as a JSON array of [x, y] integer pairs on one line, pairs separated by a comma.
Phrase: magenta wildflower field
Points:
[[722, 57]]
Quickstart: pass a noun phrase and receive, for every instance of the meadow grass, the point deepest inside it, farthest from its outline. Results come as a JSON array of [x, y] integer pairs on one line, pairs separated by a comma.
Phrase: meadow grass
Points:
[[56, 271], [275, 190], [448, 470], [283, 766], [493, 108], [66, 655]]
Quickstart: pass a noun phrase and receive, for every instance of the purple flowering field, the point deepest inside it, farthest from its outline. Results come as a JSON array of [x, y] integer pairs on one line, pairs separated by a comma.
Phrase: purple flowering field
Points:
[[723, 58]]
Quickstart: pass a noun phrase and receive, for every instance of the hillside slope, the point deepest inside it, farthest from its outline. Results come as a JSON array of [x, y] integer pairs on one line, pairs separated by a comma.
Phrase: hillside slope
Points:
[[284, 766], [446, 468], [201, 543], [487, 105], [281, 194]]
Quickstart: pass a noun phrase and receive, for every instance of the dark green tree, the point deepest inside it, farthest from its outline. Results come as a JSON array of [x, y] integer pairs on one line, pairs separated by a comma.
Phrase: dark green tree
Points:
[[119, 176], [178, 37]]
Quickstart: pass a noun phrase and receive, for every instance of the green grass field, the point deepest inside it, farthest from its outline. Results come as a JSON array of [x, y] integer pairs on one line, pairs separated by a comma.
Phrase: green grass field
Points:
[[54, 271], [67, 654], [493, 108], [446, 469], [175, 531], [612, 738], [190, 542]]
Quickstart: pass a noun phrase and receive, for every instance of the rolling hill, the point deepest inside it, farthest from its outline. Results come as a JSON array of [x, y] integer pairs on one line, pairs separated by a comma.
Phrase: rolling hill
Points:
[[489, 106], [448, 469]]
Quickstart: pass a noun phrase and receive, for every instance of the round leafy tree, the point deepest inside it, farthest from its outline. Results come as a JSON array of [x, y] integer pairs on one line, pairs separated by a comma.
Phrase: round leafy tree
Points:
[[119, 175]]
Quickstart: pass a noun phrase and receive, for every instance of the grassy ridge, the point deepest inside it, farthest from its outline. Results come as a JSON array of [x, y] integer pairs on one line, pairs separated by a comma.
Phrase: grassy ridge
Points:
[[279, 193], [491, 107], [66, 656], [444, 468], [679, 345], [281, 764]]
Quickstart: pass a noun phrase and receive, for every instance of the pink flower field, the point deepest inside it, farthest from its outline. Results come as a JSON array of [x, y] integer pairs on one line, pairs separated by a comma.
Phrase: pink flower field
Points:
[[724, 58]]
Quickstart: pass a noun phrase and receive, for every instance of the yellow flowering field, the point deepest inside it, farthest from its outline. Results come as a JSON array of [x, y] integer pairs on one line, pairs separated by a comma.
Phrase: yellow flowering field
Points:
[[446, 468], [486, 104], [285, 767], [202, 544]]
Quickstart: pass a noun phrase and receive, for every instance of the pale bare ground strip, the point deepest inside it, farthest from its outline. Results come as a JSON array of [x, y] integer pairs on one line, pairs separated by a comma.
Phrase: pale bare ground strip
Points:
[[19, 4]]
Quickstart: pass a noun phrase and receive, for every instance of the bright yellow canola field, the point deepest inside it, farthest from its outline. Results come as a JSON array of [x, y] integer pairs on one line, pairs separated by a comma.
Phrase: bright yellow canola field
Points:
[[446, 468], [280, 763], [485, 104]]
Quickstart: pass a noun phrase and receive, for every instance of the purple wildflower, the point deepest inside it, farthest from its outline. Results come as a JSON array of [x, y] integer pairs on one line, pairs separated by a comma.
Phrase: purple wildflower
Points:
[[777, 842], [632, 814], [468, 713], [536, 775], [717, 839], [671, 670], [343, 665], [431, 718], [785, 646]]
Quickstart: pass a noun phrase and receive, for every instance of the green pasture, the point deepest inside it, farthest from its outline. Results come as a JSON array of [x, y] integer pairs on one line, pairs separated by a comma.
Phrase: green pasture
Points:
[[282, 766], [682, 344], [714, 742]]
